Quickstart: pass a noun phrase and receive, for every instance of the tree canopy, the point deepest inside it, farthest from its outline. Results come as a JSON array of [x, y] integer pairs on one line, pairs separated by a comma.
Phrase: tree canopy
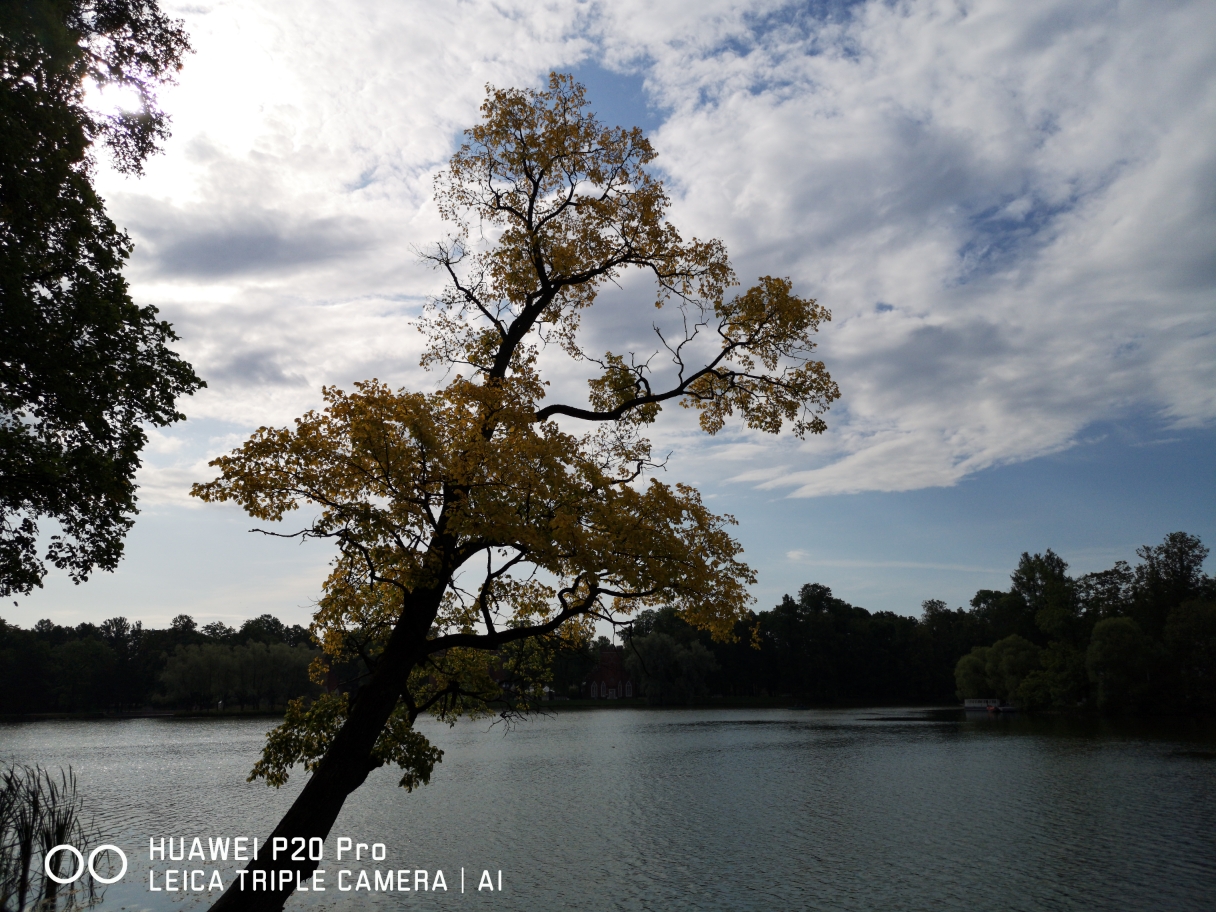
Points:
[[479, 521], [1126, 639], [82, 367]]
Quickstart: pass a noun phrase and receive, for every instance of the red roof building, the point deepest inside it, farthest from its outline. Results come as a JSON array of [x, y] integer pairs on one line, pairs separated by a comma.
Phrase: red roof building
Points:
[[609, 680]]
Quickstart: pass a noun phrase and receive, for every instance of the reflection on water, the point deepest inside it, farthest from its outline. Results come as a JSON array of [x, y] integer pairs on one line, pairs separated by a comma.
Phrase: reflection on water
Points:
[[705, 809]]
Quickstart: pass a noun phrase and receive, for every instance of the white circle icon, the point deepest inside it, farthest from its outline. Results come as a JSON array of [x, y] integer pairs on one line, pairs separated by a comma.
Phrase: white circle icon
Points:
[[46, 865], [97, 851], [82, 865]]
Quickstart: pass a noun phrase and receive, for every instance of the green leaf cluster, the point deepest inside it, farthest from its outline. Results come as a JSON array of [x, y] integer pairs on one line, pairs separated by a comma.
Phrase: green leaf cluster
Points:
[[308, 729]]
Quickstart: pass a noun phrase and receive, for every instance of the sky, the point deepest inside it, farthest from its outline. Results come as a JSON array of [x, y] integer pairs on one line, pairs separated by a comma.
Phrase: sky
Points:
[[1009, 209]]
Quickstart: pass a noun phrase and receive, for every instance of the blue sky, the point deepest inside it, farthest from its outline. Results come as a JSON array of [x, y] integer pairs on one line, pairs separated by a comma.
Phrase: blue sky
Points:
[[1008, 207]]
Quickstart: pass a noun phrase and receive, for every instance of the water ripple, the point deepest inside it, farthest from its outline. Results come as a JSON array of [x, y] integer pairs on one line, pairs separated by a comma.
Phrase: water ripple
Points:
[[709, 810]]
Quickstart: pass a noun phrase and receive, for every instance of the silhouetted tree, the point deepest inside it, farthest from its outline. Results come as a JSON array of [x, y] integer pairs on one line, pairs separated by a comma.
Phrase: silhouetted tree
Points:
[[83, 370], [1169, 574]]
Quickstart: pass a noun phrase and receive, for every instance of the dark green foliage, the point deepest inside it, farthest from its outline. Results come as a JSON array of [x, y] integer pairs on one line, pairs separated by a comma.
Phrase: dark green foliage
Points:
[[1062, 681], [120, 666], [82, 367], [1190, 636], [824, 649], [1107, 592], [1001, 614], [84, 670], [571, 666], [219, 632], [1032, 645], [253, 674], [668, 671], [1121, 661], [183, 624], [971, 674], [941, 637], [269, 629], [817, 648], [1088, 648], [1007, 664], [1007, 670], [264, 628], [1127, 639], [1169, 574], [1049, 594]]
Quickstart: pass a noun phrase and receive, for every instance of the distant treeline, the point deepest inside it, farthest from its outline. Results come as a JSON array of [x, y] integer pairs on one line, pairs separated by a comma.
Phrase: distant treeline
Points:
[[1139, 638], [121, 666], [1127, 638]]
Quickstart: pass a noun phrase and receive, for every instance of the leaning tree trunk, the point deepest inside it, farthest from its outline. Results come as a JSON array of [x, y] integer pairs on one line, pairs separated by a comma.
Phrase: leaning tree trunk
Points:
[[343, 769]]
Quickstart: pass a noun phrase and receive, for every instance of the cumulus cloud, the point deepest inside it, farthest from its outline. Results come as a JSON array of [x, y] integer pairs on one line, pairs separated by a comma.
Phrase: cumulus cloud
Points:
[[1006, 206], [1009, 207]]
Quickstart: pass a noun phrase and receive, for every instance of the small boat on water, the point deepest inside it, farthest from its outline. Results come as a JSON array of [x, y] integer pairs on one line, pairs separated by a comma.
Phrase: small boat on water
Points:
[[988, 705]]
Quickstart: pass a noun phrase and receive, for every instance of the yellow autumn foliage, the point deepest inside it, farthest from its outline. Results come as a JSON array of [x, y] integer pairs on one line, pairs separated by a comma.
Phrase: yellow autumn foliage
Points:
[[478, 525]]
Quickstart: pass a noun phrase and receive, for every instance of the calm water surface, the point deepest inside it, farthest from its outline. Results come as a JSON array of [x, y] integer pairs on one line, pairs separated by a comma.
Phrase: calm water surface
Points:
[[703, 809]]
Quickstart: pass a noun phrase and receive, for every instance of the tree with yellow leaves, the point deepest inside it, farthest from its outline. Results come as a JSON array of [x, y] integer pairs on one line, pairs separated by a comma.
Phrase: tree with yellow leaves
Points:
[[479, 524]]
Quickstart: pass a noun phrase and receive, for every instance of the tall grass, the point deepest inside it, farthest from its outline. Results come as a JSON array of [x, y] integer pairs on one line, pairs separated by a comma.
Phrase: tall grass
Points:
[[38, 811]]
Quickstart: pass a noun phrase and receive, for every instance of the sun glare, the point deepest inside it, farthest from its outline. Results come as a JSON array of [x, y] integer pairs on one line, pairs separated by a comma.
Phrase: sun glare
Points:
[[112, 99]]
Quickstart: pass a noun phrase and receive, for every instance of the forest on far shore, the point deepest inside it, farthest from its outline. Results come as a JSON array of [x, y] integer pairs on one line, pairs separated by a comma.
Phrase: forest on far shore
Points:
[[1127, 639], [121, 666], [1130, 639]]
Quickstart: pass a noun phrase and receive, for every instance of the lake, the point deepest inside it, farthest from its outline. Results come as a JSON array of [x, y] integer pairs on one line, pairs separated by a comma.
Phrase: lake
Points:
[[698, 809]]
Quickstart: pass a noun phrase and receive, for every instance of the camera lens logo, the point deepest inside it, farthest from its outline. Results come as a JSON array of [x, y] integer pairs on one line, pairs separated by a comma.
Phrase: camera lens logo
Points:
[[81, 865]]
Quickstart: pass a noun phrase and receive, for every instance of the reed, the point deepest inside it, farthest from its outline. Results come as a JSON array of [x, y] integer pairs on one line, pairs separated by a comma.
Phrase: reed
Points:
[[38, 811]]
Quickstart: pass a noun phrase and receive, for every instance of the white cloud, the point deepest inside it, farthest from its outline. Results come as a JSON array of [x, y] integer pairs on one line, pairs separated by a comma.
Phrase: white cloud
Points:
[[1025, 188]]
